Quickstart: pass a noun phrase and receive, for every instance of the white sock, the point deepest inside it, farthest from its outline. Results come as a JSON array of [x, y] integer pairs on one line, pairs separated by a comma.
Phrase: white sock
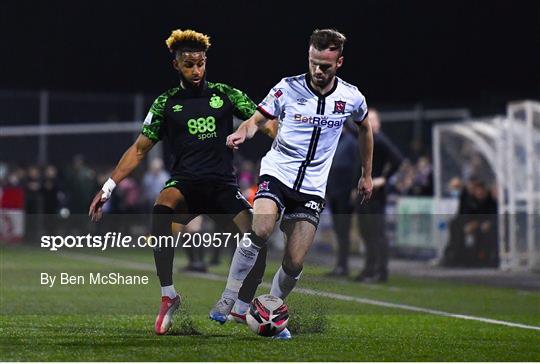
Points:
[[168, 291], [283, 284], [241, 307], [243, 261]]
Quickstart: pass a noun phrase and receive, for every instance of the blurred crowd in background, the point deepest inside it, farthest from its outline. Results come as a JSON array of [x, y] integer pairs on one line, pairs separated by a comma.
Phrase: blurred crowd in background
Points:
[[48, 189], [66, 190]]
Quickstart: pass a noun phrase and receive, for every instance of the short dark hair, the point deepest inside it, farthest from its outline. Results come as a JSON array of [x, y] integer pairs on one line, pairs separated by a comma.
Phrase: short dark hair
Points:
[[322, 39]]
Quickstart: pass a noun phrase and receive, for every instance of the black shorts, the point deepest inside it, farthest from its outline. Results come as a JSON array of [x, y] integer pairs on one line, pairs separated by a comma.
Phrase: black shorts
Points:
[[218, 200], [293, 205]]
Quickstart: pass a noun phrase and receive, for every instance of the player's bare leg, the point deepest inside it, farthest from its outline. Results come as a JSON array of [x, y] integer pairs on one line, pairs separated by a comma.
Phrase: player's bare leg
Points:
[[162, 218], [243, 221], [245, 256], [300, 236]]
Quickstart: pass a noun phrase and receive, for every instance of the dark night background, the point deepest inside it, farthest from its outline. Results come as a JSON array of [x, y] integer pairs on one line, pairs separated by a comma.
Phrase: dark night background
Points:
[[476, 54]]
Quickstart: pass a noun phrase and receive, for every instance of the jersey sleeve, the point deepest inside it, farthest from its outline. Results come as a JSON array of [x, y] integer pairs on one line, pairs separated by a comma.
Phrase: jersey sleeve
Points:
[[272, 105], [243, 106], [360, 111], [153, 123]]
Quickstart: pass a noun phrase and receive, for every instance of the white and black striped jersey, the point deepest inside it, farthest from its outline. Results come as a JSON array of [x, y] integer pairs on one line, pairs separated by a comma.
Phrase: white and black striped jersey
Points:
[[309, 128]]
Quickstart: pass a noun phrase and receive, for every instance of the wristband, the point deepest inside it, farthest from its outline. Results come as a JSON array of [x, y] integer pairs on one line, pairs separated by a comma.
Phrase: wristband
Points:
[[107, 189]]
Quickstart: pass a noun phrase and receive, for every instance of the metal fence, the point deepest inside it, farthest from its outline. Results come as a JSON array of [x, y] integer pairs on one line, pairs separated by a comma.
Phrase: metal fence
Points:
[[40, 127]]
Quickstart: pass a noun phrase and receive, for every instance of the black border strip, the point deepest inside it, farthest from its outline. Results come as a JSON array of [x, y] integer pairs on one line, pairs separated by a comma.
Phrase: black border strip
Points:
[[309, 157]]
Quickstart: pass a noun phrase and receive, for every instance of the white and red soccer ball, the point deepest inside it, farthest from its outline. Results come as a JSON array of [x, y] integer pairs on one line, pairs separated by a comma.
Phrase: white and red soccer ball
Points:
[[267, 315]]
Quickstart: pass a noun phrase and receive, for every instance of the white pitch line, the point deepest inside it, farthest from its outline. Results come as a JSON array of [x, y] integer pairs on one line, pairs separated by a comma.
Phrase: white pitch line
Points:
[[308, 291], [400, 306]]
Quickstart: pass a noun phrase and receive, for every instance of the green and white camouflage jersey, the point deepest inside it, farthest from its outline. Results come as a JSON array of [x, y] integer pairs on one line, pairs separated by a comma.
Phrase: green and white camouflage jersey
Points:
[[195, 125]]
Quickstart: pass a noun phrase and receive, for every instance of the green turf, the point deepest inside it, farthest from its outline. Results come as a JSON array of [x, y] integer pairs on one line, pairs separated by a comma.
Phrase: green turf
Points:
[[114, 323]]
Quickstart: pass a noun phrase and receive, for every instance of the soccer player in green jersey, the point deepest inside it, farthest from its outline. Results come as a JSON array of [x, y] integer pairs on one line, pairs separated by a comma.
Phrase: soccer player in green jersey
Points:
[[194, 119]]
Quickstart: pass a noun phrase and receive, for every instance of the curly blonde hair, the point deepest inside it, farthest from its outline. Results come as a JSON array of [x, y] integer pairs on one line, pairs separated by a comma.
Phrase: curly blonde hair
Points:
[[187, 40]]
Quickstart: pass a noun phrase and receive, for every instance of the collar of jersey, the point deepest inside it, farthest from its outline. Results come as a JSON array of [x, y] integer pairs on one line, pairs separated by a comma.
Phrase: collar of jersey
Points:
[[193, 91], [317, 93]]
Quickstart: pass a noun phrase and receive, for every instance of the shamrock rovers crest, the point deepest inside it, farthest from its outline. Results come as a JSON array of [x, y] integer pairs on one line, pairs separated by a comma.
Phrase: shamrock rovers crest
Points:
[[216, 102]]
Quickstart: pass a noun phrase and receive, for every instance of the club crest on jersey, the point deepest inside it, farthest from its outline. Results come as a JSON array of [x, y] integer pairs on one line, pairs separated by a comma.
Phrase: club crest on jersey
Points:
[[263, 186], [278, 94], [339, 107], [216, 102]]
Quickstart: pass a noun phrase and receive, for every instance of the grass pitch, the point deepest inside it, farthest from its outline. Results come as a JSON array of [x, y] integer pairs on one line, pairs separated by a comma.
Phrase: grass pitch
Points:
[[115, 323]]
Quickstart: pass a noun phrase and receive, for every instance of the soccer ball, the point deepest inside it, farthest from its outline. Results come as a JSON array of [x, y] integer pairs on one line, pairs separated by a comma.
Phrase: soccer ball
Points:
[[267, 315]]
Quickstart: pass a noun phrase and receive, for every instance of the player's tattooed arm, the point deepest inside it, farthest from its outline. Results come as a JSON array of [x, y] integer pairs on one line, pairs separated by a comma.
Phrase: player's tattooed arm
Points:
[[129, 161], [270, 128], [365, 136], [246, 130]]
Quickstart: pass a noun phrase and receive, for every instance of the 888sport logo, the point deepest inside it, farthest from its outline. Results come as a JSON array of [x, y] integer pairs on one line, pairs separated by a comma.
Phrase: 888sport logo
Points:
[[203, 128]]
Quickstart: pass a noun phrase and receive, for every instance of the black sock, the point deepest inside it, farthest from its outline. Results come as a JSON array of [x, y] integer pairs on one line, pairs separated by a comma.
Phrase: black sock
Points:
[[254, 277], [291, 272], [162, 217], [256, 239]]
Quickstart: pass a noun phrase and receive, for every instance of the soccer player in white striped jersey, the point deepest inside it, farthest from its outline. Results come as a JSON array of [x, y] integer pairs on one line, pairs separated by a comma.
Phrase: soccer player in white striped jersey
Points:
[[312, 109]]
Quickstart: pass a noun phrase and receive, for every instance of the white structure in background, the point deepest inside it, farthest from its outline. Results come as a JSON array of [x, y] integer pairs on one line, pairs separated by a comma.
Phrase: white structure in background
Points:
[[504, 150]]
